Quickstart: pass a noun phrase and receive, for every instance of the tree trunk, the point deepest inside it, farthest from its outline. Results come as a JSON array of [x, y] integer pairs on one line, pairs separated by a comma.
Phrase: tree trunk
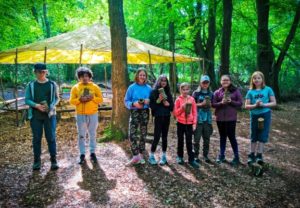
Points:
[[210, 45], [283, 51], [226, 36], [47, 23], [207, 52], [264, 60], [120, 78], [172, 69]]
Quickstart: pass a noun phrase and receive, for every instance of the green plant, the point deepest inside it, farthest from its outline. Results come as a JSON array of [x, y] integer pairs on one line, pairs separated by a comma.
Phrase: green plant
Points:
[[111, 134]]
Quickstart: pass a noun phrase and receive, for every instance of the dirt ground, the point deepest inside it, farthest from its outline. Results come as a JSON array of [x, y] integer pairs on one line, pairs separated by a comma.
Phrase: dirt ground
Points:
[[111, 184]]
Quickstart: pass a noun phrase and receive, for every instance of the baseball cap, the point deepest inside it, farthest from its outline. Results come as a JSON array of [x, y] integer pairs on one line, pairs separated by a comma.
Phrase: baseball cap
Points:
[[205, 78], [40, 67]]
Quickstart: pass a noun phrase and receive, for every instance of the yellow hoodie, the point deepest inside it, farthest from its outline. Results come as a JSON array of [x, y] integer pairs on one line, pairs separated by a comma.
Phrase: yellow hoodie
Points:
[[90, 107]]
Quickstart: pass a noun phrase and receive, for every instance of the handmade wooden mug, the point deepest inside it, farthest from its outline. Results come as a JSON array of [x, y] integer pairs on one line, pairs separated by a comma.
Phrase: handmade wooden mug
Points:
[[227, 95], [260, 123], [207, 101], [44, 103], [162, 91], [188, 108], [141, 101], [86, 92]]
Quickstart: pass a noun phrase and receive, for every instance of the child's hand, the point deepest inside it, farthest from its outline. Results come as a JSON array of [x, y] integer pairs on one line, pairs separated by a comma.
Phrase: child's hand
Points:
[[89, 97], [146, 101], [83, 99], [166, 103], [138, 105], [194, 127], [40, 107], [161, 97]]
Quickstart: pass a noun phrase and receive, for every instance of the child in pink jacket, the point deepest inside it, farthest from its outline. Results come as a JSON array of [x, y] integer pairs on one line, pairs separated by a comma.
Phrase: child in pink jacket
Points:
[[185, 111]]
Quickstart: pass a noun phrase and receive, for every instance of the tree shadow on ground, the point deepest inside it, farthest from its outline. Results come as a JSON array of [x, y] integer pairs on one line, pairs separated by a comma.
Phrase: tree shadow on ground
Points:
[[95, 181], [42, 190]]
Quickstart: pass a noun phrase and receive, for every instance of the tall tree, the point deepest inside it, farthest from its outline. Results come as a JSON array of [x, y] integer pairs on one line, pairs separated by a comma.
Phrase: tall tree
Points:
[[46, 19], [171, 32], [226, 36], [206, 48], [265, 54], [120, 77], [277, 66]]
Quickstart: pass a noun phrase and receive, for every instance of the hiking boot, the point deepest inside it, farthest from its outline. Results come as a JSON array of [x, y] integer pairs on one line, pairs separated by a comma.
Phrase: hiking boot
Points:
[[152, 160], [36, 164], [134, 160], [93, 157], [194, 164], [54, 165], [206, 159], [259, 159], [235, 161], [220, 159], [179, 160], [251, 158], [82, 159], [163, 160]]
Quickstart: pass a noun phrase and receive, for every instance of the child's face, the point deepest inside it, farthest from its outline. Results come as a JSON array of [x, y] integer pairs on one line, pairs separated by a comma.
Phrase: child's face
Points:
[[142, 77], [257, 81], [225, 81], [204, 85], [41, 74], [85, 79], [185, 90], [163, 82]]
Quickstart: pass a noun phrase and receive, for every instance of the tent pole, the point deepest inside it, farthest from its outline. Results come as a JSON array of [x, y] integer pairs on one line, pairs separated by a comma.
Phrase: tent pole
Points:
[[150, 65], [174, 74], [45, 55], [80, 57], [192, 74], [16, 88]]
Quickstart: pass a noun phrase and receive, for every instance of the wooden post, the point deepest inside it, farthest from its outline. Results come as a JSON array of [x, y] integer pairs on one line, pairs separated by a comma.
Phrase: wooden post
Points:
[[80, 57], [16, 88], [150, 66], [105, 77], [174, 75], [192, 74], [45, 55]]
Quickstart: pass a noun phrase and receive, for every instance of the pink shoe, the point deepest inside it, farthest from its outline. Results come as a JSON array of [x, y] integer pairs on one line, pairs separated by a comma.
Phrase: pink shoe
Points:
[[134, 160]]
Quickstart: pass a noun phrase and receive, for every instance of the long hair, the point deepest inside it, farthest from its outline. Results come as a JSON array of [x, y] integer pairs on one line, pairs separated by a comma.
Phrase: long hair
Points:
[[136, 78], [252, 85], [231, 87], [157, 84]]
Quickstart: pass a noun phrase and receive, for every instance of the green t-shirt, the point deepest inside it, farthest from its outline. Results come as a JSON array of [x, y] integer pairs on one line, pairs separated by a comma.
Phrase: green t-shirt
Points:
[[42, 92]]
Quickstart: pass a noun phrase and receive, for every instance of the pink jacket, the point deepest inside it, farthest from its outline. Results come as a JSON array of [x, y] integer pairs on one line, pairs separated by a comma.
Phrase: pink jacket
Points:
[[179, 112]]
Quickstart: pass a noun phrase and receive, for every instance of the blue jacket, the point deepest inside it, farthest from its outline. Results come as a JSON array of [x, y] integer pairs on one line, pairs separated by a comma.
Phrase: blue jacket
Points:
[[204, 114], [29, 98], [136, 92]]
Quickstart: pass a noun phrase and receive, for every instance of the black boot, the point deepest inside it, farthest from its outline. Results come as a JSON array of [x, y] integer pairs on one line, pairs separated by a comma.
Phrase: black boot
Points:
[[251, 158], [36, 164], [81, 159], [93, 157], [54, 165]]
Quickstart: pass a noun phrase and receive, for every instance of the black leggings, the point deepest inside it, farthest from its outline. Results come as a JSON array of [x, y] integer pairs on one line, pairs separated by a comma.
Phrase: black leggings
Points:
[[227, 129], [161, 128], [187, 130]]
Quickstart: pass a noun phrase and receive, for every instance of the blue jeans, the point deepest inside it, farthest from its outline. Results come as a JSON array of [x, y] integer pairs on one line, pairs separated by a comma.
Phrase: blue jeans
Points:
[[49, 126], [87, 124], [260, 135]]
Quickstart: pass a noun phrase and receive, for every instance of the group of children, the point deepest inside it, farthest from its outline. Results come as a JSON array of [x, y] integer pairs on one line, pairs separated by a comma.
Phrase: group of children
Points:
[[193, 115]]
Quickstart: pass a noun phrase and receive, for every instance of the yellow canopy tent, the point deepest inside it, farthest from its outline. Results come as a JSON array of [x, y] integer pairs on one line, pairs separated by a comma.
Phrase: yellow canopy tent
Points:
[[88, 45]]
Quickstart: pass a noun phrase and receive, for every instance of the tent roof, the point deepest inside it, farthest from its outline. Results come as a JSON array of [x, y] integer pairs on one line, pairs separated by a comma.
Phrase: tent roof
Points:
[[96, 48]]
